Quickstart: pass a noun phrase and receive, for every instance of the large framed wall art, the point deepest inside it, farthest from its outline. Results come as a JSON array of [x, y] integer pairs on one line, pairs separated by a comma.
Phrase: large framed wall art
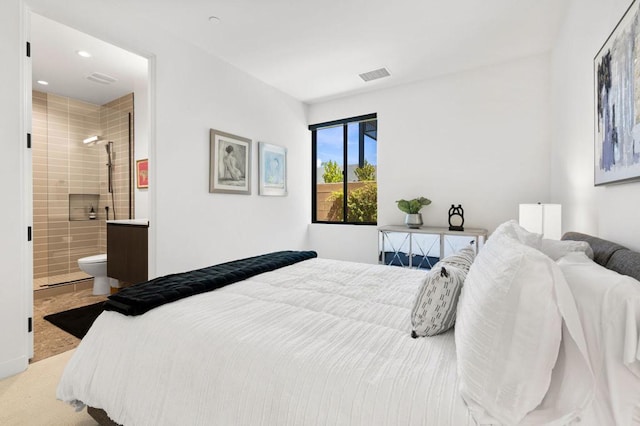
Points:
[[617, 103], [229, 163]]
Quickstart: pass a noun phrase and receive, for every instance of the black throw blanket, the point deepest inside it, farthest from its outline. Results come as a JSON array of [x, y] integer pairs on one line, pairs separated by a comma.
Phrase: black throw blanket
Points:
[[140, 298]]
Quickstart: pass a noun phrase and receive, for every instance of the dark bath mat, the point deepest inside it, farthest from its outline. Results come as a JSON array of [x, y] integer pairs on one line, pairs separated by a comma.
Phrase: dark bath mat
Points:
[[76, 321]]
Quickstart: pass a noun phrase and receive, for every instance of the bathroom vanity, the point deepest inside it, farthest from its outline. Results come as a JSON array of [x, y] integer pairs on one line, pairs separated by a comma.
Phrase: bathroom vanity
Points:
[[127, 250]]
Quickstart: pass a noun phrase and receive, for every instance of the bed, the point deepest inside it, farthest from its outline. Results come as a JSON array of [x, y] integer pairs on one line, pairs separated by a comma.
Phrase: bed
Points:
[[328, 342]]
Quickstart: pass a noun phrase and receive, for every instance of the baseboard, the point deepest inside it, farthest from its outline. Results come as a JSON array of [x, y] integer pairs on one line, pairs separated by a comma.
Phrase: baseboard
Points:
[[13, 367]]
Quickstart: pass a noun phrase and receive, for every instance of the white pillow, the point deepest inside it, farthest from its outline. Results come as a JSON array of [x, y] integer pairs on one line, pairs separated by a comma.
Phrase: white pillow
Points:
[[508, 329], [556, 249], [609, 307], [434, 310], [518, 233]]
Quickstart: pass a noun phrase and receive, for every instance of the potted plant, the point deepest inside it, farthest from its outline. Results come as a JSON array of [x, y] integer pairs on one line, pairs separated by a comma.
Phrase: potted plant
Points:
[[412, 209]]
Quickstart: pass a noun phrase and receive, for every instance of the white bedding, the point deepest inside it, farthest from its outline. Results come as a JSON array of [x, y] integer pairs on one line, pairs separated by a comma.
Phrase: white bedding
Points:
[[296, 346], [609, 307]]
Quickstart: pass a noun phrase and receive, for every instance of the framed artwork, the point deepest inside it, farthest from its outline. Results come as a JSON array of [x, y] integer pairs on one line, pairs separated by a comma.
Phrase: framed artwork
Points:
[[229, 163], [272, 169], [142, 173], [617, 103]]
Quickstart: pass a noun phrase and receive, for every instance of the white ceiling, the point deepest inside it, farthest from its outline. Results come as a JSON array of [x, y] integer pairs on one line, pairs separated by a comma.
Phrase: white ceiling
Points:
[[54, 59], [314, 50]]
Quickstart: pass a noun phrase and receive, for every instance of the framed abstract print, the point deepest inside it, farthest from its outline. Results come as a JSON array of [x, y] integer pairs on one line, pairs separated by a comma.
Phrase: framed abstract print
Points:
[[617, 103], [142, 174], [272, 161]]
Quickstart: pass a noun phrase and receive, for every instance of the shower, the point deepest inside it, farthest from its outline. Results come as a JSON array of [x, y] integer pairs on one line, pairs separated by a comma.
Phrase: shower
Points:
[[72, 184]]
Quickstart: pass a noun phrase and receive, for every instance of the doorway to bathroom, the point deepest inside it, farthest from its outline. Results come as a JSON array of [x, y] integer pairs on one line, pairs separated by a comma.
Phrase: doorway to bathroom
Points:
[[86, 102], [77, 185]]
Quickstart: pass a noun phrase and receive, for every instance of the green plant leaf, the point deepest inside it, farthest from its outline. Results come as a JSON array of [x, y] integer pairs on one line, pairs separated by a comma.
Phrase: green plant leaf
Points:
[[403, 205], [413, 206], [424, 201]]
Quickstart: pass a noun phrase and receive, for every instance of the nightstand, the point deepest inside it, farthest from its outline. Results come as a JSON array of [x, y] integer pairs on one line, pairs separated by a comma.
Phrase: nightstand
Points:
[[423, 247]]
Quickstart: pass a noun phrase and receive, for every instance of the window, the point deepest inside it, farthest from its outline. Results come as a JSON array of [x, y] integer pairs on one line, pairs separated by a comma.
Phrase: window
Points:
[[351, 142]]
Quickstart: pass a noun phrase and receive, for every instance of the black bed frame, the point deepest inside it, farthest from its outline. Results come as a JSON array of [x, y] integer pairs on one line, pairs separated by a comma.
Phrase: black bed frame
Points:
[[101, 417]]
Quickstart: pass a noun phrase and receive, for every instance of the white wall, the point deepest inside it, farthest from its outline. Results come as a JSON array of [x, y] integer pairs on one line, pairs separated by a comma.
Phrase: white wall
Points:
[[608, 211], [142, 126], [478, 138], [193, 92], [196, 228], [13, 227]]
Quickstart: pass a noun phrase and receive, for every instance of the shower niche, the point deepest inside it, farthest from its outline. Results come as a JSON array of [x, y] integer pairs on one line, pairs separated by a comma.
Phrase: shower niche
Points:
[[71, 176], [83, 206]]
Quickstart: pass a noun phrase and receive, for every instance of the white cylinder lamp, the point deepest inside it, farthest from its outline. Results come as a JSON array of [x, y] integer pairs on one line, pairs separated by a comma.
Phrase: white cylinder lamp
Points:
[[545, 219]]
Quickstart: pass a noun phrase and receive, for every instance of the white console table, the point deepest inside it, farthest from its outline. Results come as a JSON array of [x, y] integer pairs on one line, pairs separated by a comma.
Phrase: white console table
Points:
[[423, 247]]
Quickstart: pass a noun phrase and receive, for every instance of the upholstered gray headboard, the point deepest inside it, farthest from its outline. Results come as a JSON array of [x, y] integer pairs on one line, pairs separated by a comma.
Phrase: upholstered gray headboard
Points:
[[610, 255]]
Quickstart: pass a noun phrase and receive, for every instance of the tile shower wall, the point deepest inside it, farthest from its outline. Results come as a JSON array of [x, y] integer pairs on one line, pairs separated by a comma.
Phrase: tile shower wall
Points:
[[63, 165]]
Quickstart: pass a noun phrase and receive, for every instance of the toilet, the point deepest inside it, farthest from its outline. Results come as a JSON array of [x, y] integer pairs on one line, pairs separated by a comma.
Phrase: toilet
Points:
[[96, 266]]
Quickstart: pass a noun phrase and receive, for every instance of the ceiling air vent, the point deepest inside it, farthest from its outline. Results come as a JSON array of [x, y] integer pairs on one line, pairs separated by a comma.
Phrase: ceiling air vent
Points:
[[97, 77], [375, 74]]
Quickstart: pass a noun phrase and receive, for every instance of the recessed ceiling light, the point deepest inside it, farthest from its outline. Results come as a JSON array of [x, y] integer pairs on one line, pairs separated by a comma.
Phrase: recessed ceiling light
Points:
[[83, 53], [214, 19], [44, 83]]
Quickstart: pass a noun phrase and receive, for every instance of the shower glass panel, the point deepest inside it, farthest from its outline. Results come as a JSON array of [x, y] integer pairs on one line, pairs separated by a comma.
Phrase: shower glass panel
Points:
[[71, 181]]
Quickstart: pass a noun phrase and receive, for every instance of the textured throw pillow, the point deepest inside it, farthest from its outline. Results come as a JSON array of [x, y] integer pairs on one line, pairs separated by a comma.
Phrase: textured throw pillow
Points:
[[508, 330], [434, 310]]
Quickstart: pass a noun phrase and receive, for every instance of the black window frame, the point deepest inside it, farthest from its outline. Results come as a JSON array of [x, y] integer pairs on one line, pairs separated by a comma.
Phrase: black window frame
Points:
[[314, 172]]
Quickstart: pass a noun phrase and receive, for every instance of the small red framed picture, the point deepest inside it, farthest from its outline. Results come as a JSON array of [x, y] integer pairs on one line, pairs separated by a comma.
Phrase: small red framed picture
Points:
[[142, 172]]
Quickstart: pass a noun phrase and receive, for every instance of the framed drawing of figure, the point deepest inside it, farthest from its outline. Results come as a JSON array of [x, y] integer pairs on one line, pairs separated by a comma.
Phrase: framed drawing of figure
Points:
[[229, 163]]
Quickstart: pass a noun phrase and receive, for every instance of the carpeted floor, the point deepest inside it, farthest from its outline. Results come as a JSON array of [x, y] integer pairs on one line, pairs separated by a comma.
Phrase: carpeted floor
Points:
[[29, 398]]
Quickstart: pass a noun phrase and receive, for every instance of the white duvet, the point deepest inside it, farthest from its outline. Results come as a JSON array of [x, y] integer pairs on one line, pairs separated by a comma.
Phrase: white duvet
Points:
[[320, 342]]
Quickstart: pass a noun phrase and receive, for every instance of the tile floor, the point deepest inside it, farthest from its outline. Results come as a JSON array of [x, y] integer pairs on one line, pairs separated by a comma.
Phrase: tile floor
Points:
[[49, 340]]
